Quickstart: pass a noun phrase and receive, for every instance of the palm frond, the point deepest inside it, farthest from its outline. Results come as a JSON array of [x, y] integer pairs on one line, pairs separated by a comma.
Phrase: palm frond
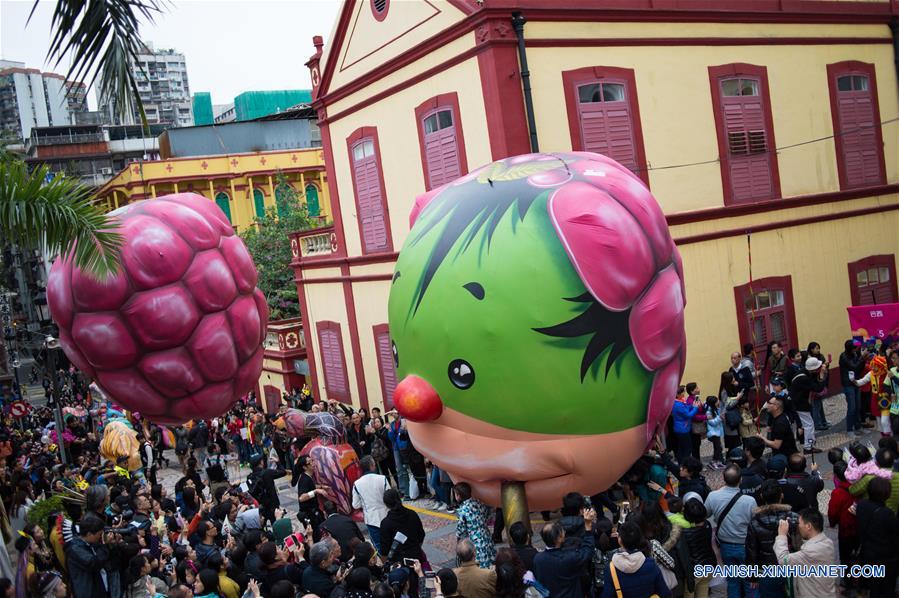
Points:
[[57, 215], [102, 37]]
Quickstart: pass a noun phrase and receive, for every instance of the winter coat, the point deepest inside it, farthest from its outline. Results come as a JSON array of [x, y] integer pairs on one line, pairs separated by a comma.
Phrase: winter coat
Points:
[[747, 424], [85, 562], [638, 577], [472, 524], [838, 510], [408, 522], [815, 551], [729, 403], [715, 423], [878, 532], [682, 414], [560, 569], [695, 546], [860, 489], [763, 530], [697, 485], [809, 486], [368, 495], [801, 388], [850, 362]]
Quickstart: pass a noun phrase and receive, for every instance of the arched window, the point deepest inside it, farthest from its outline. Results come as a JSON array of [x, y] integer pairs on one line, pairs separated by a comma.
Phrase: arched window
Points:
[[224, 204], [259, 203], [312, 207], [283, 193]]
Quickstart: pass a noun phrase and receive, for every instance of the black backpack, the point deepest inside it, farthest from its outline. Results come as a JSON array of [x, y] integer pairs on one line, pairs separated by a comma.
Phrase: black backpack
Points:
[[733, 418]]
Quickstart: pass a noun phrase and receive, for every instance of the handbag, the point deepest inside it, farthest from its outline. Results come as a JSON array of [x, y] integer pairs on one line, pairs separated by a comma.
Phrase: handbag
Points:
[[617, 586]]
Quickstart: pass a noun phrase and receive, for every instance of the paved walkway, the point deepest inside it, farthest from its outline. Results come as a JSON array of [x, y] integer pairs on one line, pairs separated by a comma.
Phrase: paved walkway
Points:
[[440, 527]]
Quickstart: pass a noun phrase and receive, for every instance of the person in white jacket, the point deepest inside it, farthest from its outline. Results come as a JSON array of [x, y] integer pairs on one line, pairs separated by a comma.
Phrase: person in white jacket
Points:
[[368, 495], [817, 549]]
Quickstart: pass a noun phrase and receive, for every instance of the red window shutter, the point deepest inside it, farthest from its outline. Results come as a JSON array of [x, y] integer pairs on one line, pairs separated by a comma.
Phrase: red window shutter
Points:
[[367, 175], [332, 361], [749, 157], [386, 365], [442, 152], [606, 129], [857, 127]]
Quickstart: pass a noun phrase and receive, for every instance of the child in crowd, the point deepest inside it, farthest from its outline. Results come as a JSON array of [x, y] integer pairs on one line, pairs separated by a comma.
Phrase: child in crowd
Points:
[[860, 463], [715, 430]]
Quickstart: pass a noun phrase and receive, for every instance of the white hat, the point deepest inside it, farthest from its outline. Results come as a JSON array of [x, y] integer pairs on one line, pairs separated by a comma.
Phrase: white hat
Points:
[[812, 364], [690, 495]]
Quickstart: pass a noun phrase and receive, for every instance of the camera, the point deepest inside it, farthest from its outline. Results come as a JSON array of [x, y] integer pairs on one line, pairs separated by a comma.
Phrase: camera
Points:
[[588, 503]]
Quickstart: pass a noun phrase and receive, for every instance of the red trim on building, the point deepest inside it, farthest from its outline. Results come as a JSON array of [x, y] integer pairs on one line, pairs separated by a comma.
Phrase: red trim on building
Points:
[[885, 260], [602, 42], [355, 345], [781, 283], [833, 71], [738, 232], [503, 101], [334, 48], [379, 16], [307, 332], [774, 205], [328, 261], [320, 327], [333, 192], [570, 81], [716, 73], [344, 66], [347, 278], [449, 100], [355, 136]]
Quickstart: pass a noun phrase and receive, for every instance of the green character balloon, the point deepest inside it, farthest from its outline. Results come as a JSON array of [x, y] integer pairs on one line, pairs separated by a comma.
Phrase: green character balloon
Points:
[[536, 316]]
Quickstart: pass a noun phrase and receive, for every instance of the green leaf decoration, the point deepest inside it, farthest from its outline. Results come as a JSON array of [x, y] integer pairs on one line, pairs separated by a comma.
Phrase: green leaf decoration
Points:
[[498, 173]]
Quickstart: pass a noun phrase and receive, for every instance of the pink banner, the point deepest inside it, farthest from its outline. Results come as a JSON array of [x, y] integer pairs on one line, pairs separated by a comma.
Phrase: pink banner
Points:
[[875, 323]]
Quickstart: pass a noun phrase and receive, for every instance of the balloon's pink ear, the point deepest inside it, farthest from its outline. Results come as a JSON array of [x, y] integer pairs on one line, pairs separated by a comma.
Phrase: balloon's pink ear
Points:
[[421, 202]]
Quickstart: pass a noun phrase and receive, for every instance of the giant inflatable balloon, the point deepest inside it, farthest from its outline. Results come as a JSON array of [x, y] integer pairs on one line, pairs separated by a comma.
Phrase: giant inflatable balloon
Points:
[[335, 465], [177, 332], [537, 320]]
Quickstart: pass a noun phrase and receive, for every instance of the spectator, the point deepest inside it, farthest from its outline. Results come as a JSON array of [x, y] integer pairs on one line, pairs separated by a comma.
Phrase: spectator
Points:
[[728, 400], [743, 372], [448, 583], [261, 483], [88, 559], [841, 516], [695, 548], [808, 484], [368, 495], [817, 549], [715, 430], [794, 365], [399, 519], [520, 541], [559, 569], [762, 532], [682, 414], [474, 581], [752, 476], [698, 424], [342, 528], [732, 511], [850, 367], [884, 459], [780, 437], [776, 362], [748, 426], [691, 479], [878, 530], [472, 524], [805, 384], [631, 574]]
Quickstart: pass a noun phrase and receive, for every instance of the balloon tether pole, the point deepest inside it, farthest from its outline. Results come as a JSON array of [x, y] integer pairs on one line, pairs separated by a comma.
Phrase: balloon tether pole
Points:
[[515, 504]]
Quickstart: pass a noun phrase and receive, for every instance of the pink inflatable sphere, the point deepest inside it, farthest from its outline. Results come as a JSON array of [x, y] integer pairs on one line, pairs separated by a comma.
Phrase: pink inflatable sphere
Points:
[[177, 332]]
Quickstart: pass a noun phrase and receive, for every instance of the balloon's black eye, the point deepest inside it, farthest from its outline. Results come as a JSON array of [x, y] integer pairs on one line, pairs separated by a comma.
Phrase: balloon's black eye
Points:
[[396, 354], [461, 374]]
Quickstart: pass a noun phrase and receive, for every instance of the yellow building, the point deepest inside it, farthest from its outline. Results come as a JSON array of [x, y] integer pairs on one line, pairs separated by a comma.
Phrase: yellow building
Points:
[[243, 185], [766, 130]]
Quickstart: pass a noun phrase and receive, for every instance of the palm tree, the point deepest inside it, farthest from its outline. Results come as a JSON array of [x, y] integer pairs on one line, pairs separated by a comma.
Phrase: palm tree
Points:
[[101, 36], [57, 215]]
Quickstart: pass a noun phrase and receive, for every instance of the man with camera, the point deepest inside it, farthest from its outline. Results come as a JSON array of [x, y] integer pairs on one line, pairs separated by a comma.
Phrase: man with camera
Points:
[[88, 557], [560, 569]]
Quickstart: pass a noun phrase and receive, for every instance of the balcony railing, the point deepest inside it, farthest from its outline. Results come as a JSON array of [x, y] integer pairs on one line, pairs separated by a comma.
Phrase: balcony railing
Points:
[[315, 243], [67, 139]]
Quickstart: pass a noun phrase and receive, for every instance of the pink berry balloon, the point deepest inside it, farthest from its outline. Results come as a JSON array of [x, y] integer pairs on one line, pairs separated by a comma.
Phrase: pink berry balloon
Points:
[[177, 332]]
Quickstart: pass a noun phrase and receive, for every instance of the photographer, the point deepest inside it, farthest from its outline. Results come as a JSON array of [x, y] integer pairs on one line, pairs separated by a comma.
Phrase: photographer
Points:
[[762, 532], [318, 578], [88, 556]]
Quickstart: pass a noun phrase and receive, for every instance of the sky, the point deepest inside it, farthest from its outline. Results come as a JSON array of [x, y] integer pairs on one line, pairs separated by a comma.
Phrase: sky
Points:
[[230, 46]]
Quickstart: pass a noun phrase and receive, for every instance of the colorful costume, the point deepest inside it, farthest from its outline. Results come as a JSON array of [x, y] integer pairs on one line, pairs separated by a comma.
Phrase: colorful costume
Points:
[[472, 524]]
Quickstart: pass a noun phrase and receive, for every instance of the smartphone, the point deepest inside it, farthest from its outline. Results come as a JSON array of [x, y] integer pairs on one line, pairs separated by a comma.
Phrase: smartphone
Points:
[[409, 562], [829, 357], [622, 513], [429, 580]]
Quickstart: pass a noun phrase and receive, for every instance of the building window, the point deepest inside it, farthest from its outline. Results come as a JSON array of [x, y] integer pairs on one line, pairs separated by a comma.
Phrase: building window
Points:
[[440, 139], [259, 203], [872, 280], [379, 9], [604, 116], [386, 363], [332, 360], [368, 180], [222, 201], [765, 313], [312, 206], [856, 124], [745, 133]]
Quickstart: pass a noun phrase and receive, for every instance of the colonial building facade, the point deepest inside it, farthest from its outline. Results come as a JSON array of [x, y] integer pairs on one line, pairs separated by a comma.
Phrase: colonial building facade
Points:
[[766, 129]]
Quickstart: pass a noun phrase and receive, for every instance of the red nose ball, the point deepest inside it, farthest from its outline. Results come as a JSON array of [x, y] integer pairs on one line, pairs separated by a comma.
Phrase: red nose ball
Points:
[[417, 400]]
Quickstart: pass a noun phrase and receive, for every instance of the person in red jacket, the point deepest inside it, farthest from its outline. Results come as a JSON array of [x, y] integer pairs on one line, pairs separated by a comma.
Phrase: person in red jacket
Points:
[[840, 517]]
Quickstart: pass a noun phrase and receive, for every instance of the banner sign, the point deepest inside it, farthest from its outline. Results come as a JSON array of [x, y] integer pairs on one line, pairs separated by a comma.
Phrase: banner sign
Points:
[[875, 324]]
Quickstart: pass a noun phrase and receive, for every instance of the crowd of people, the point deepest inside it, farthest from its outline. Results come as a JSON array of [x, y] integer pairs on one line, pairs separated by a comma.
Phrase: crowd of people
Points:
[[95, 528]]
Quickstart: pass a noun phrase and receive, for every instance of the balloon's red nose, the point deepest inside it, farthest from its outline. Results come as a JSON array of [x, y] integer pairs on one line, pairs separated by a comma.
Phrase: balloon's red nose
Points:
[[417, 400]]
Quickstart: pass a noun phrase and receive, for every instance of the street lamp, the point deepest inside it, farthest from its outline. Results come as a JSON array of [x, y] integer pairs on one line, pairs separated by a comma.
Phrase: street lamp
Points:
[[52, 346]]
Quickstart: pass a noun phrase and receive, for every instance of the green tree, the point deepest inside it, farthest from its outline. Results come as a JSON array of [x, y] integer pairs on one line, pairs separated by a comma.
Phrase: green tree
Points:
[[269, 245]]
